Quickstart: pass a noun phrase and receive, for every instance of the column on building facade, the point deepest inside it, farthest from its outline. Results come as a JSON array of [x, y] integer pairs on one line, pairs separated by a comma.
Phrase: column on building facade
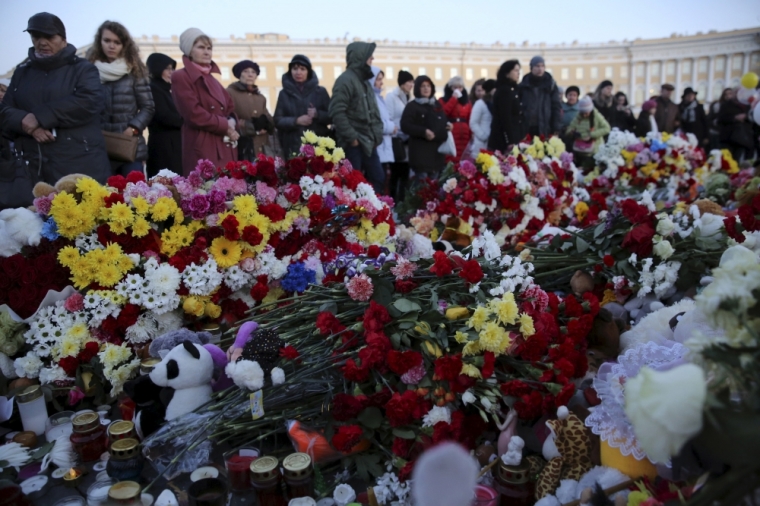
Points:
[[710, 75], [745, 63], [631, 83], [727, 76], [678, 78], [647, 78], [663, 74], [694, 62]]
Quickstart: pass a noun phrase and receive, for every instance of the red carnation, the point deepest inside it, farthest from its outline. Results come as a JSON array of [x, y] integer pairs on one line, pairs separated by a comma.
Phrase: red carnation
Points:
[[401, 362], [353, 178], [400, 408], [609, 260], [69, 365], [353, 372], [347, 437], [88, 352], [372, 357], [406, 472], [471, 272], [314, 203], [328, 324], [530, 406], [289, 353], [114, 198], [292, 192], [375, 317], [515, 388], [296, 168], [135, 176], [259, 291], [230, 225], [401, 447], [274, 212], [489, 359], [252, 236], [374, 251], [118, 182], [404, 285], [443, 264], [346, 407], [448, 367], [634, 211]]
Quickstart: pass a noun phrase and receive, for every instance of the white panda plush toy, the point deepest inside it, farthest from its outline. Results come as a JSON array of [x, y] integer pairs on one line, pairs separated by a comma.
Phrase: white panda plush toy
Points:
[[188, 369]]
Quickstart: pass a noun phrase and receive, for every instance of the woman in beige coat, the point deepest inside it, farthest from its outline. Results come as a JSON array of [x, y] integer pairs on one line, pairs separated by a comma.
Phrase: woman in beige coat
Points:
[[255, 123]]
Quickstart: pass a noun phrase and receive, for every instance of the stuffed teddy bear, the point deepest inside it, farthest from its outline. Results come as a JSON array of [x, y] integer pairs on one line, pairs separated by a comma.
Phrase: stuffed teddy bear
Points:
[[67, 184], [18, 228], [655, 326], [566, 450], [188, 369], [589, 489]]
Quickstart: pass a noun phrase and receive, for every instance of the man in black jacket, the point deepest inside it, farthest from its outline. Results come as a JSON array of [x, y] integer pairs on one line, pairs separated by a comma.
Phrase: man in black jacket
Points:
[[693, 118], [541, 103], [53, 105]]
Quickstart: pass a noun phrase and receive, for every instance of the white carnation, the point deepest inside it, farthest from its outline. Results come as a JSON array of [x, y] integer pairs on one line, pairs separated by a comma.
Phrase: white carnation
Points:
[[28, 366], [278, 376], [435, 415], [53, 374]]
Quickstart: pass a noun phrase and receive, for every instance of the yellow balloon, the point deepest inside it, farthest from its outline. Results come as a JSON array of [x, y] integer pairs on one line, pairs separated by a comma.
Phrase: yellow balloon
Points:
[[750, 80]]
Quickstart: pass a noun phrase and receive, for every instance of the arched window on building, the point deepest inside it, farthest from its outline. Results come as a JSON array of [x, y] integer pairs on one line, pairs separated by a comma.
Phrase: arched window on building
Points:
[[702, 90], [639, 96]]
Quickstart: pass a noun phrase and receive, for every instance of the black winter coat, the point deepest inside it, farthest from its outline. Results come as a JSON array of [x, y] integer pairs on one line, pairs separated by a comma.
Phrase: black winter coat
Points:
[[129, 103], [293, 102], [165, 131], [643, 125], [541, 103], [423, 154], [621, 120], [507, 124], [64, 93], [699, 126], [727, 123]]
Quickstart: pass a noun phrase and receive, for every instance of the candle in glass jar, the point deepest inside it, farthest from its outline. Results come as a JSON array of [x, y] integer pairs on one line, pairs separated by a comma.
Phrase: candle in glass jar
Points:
[[204, 472], [238, 464]]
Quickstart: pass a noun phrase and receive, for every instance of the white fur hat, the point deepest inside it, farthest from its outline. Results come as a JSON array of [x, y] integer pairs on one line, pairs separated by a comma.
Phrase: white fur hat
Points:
[[188, 38], [445, 475]]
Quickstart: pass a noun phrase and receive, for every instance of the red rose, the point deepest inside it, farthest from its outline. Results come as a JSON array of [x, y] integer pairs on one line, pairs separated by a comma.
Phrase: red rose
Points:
[[135, 176], [252, 236], [401, 362], [471, 272], [315, 203], [634, 211], [448, 367], [69, 365], [404, 285], [639, 240], [443, 264], [292, 192], [347, 437], [118, 182], [230, 225], [400, 408], [346, 407], [353, 372]]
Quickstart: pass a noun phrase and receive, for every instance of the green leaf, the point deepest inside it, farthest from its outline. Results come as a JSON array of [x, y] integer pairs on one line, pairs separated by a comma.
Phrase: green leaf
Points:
[[406, 325], [406, 306], [404, 433], [581, 244], [371, 417], [382, 295], [396, 340], [42, 451], [599, 230]]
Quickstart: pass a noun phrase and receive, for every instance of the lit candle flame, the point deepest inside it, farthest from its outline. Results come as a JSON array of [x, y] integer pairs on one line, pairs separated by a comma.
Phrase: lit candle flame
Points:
[[72, 473]]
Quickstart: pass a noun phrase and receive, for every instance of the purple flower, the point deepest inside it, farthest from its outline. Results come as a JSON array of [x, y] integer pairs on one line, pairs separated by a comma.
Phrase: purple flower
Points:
[[430, 206], [184, 187], [265, 194], [307, 150], [386, 200], [195, 179], [199, 204], [566, 158], [206, 169], [302, 224], [636, 148], [467, 169], [329, 201]]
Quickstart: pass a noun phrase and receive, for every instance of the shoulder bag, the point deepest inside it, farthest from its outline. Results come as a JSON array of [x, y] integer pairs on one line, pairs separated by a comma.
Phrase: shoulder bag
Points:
[[120, 147]]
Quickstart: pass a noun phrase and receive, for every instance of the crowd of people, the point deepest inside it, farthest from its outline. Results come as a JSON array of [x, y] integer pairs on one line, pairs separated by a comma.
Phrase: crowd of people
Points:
[[78, 118]]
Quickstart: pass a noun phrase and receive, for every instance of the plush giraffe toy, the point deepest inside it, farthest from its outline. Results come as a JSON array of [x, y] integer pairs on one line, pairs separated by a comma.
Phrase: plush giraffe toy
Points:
[[566, 451]]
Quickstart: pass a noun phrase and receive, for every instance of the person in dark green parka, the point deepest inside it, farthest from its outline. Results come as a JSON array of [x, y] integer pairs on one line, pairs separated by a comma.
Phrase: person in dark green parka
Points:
[[355, 115]]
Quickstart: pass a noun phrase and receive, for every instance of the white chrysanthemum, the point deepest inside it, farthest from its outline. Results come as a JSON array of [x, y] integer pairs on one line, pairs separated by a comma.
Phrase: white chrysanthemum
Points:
[[28, 366], [53, 374], [164, 279], [435, 415], [143, 330]]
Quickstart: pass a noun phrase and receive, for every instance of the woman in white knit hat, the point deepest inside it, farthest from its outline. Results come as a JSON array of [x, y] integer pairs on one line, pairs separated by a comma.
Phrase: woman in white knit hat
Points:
[[209, 131]]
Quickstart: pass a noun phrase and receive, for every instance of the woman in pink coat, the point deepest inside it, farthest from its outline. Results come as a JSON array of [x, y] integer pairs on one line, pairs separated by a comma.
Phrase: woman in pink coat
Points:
[[209, 113]]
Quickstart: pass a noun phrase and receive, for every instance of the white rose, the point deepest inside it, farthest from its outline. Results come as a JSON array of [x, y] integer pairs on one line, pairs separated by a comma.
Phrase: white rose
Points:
[[710, 224], [663, 249], [468, 397], [665, 408], [665, 225]]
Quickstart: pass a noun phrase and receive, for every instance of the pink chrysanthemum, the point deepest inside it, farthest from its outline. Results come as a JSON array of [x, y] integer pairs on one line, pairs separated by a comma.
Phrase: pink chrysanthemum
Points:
[[360, 288]]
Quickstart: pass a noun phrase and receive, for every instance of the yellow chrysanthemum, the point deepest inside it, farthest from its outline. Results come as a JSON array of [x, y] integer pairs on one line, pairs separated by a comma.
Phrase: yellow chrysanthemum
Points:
[[69, 347], [118, 228], [109, 275], [326, 142], [379, 234], [225, 252], [461, 337], [505, 309], [68, 256], [87, 185], [338, 155], [733, 167], [163, 208], [478, 318], [273, 295], [581, 210], [244, 204], [111, 253], [141, 205], [471, 371], [495, 176], [485, 161], [526, 325], [309, 137], [121, 213], [471, 348], [140, 227], [78, 331], [492, 337]]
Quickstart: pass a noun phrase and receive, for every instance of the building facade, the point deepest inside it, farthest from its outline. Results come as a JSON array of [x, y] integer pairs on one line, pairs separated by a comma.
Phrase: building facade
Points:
[[707, 62]]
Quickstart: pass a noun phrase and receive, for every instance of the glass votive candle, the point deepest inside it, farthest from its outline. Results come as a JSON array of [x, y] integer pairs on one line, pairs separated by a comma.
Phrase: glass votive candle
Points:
[[207, 492], [238, 464], [97, 494], [73, 500], [72, 478], [485, 496], [59, 425]]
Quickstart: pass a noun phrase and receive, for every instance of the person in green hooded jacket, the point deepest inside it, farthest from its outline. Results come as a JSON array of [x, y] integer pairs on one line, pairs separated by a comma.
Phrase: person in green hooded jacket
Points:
[[355, 115]]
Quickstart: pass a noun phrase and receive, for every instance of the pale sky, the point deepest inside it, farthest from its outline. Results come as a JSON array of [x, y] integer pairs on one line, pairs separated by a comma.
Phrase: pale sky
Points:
[[481, 21]]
